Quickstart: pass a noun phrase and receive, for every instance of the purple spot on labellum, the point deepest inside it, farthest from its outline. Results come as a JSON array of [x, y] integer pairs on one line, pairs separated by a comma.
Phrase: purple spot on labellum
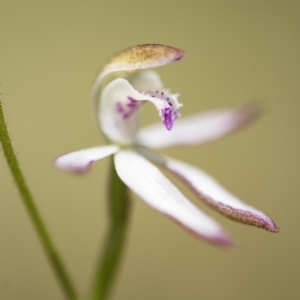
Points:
[[132, 100], [119, 107], [131, 105], [168, 117], [127, 109]]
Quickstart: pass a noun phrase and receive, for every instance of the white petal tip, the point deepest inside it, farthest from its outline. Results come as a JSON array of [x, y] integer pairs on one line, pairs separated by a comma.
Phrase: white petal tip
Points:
[[61, 164], [248, 113], [80, 162], [217, 237], [222, 240]]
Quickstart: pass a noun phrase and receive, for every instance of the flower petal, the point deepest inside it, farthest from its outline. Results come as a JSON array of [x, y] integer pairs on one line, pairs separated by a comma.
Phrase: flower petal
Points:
[[156, 190], [120, 103], [80, 161], [213, 194], [199, 128], [137, 58]]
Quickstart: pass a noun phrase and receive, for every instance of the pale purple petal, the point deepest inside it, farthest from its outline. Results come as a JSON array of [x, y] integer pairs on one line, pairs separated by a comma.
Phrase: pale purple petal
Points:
[[80, 161], [156, 190], [199, 128], [213, 194]]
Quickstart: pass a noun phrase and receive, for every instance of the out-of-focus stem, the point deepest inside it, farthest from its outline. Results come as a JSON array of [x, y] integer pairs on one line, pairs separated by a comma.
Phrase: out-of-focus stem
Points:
[[119, 206]]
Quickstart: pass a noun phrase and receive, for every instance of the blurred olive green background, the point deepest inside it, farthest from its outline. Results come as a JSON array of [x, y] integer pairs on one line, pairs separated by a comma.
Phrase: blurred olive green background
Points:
[[50, 53]]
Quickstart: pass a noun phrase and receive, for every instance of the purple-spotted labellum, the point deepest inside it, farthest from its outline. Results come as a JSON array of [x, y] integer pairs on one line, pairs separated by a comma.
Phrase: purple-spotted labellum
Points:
[[116, 106], [169, 117]]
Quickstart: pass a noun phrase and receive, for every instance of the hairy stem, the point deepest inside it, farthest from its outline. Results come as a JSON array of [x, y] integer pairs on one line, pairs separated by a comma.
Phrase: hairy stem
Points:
[[33, 212]]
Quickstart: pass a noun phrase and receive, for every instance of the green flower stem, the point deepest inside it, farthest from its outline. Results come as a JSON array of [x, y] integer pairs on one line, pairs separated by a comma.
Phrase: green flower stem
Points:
[[119, 206], [32, 210]]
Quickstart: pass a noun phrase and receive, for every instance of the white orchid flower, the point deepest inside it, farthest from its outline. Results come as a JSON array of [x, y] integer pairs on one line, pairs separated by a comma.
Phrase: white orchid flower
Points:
[[117, 102]]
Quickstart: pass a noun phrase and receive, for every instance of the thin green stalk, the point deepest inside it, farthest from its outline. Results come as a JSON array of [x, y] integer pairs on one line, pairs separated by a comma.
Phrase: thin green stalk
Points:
[[119, 206], [32, 210]]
